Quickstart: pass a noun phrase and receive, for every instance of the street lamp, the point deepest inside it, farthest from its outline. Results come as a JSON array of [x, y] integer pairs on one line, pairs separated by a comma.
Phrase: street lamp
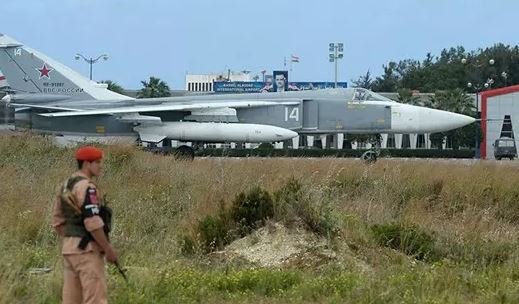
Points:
[[505, 77], [478, 87], [336, 53], [91, 61]]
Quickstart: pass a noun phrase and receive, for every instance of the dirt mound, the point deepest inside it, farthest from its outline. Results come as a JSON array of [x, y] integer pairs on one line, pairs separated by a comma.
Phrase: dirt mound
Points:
[[276, 245]]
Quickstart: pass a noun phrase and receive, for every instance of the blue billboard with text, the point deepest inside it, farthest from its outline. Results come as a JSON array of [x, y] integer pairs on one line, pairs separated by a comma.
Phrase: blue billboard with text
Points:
[[263, 87]]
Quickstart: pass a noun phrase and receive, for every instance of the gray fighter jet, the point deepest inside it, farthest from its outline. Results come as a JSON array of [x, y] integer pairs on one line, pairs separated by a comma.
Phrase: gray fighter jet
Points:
[[54, 99]]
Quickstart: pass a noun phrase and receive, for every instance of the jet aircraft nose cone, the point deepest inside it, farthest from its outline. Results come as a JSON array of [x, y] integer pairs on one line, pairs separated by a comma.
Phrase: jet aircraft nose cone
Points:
[[434, 120]]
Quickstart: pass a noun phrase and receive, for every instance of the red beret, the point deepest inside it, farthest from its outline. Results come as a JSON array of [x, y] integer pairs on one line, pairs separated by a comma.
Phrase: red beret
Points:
[[89, 153]]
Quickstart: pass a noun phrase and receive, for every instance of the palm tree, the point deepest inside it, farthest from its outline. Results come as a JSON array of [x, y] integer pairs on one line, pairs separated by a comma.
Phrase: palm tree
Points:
[[454, 101], [113, 86], [459, 102], [154, 88]]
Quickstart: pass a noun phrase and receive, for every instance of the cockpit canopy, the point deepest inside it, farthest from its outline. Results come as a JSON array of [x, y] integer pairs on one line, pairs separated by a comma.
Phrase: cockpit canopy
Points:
[[360, 94]]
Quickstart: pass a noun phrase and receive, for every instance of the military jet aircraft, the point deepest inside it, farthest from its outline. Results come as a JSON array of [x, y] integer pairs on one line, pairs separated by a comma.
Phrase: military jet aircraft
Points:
[[54, 99]]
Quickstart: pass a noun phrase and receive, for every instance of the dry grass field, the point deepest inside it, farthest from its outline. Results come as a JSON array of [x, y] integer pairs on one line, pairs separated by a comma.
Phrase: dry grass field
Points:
[[392, 232]]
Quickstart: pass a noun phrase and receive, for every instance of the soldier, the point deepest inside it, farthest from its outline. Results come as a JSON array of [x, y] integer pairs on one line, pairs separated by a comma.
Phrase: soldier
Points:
[[84, 222]]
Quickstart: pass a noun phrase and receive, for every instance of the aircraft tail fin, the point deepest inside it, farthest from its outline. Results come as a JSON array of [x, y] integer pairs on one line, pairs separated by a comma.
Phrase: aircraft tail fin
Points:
[[30, 71]]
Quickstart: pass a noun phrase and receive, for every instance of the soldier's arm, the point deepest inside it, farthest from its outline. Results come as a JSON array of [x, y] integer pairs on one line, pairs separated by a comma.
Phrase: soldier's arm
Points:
[[93, 222], [58, 220]]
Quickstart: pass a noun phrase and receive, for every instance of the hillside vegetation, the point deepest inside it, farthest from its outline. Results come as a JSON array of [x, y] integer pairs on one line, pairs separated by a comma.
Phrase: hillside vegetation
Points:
[[223, 230]]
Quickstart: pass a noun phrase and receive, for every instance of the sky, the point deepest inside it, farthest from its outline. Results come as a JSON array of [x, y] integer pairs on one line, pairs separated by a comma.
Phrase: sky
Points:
[[169, 38]]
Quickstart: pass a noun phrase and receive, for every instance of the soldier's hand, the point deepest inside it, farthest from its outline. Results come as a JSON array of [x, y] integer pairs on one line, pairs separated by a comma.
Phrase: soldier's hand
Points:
[[111, 255]]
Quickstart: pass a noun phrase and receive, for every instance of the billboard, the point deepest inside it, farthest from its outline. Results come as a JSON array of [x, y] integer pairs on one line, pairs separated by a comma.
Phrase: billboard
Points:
[[263, 87], [277, 82], [237, 87]]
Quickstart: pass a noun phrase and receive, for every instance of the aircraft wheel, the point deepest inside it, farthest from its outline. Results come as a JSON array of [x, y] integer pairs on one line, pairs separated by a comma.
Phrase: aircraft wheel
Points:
[[369, 156], [185, 153]]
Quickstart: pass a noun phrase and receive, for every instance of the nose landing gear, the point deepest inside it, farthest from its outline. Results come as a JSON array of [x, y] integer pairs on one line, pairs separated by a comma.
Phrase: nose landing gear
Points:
[[372, 155]]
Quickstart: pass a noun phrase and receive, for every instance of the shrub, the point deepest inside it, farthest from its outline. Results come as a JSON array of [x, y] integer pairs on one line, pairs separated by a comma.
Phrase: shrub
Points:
[[213, 233], [187, 245], [251, 210], [266, 147], [408, 239], [287, 200], [293, 204]]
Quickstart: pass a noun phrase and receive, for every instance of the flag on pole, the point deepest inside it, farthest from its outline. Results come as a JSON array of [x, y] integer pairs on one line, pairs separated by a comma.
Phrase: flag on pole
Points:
[[295, 58], [3, 81]]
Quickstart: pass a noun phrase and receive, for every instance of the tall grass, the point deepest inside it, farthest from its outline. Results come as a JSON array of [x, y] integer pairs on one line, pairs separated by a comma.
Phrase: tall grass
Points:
[[468, 213]]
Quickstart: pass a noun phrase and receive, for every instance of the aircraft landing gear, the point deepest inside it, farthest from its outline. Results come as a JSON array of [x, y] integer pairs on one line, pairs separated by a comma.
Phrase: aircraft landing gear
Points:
[[184, 153], [369, 156]]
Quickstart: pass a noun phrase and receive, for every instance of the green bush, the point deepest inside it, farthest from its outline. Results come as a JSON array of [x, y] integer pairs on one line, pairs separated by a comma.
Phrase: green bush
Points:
[[187, 245], [214, 233], [410, 240], [292, 203], [251, 210], [266, 146], [287, 199]]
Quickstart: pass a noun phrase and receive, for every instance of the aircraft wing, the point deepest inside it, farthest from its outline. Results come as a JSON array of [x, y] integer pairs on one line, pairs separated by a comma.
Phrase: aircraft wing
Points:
[[175, 107], [42, 107]]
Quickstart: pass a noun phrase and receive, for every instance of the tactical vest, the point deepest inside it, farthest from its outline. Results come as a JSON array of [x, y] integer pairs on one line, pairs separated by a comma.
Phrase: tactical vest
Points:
[[74, 226], [74, 216]]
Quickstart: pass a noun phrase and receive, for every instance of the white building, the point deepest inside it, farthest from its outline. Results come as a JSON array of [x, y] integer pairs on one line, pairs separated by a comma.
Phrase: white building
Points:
[[499, 117], [204, 82]]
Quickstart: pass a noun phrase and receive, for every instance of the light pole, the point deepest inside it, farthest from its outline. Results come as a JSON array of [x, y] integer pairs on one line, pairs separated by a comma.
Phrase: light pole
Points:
[[91, 61], [336, 53], [478, 87], [505, 77]]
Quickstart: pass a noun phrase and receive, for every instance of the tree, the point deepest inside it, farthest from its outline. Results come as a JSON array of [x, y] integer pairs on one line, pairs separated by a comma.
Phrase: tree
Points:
[[459, 102], [455, 100], [113, 86], [154, 88], [365, 81], [447, 72], [389, 82], [406, 96]]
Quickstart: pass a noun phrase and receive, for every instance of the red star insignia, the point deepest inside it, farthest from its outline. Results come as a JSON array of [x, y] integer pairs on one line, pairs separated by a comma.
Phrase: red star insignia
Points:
[[44, 71]]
